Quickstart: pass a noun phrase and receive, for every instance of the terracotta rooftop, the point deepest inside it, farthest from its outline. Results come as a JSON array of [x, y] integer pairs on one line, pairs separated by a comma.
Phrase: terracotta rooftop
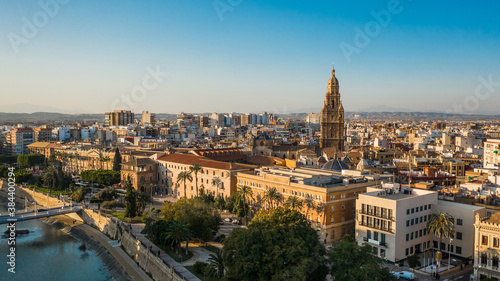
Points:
[[189, 159]]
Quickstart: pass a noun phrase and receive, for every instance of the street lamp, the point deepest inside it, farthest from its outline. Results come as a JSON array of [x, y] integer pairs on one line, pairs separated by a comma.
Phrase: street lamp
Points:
[[449, 253]]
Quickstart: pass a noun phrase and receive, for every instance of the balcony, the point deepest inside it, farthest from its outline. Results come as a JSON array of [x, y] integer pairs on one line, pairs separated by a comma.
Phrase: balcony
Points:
[[379, 227], [378, 215], [375, 242]]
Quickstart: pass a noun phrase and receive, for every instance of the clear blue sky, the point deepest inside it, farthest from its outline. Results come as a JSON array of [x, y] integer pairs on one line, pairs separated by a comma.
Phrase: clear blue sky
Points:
[[257, 56]]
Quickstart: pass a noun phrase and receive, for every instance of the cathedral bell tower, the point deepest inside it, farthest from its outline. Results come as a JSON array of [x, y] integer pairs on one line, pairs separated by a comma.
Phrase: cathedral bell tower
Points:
[[332, 117]]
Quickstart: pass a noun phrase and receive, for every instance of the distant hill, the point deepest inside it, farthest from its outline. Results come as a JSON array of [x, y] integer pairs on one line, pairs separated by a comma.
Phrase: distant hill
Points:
[[48, 117]]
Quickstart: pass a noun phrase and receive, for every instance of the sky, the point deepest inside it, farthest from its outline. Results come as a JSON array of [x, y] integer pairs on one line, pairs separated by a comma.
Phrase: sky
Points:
[[249, 56]]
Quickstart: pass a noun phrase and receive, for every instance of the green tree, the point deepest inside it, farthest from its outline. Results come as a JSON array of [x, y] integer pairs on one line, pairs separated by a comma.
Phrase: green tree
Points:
[[203, 219], [413, 261], [278, 244], [195, 168], [177, 232], [106, 194], [272, 196], [117, 160], [294, 202], [441, 225], [30, 160], [78, 195], [103, 177], [348, 261], [142, 201], [244, 194], [130, 200], [183, 177], [216, 264]]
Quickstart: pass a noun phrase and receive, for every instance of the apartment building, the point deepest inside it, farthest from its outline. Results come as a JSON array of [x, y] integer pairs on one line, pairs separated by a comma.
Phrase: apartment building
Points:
[[333, 195], [118, 118], [17, 140], [491, 150], [394, 222]]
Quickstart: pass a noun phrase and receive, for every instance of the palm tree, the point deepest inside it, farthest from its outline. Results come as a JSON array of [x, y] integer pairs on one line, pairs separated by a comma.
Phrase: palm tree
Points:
[[216, 182], [309, 202], [441, 225], [183, 177], [294, 203], [216, 264], [195, 168], [244, 194], [177, 232], [272, 195], [320, 208]]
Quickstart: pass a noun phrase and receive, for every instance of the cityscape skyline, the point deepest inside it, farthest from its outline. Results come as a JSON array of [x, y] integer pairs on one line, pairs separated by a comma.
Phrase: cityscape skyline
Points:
[[385, 55]]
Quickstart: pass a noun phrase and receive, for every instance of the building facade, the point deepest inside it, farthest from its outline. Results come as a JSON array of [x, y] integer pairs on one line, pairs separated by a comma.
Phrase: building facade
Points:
[[491, 154], [118, 118], [332, 117], [332, 212], [487, 247]]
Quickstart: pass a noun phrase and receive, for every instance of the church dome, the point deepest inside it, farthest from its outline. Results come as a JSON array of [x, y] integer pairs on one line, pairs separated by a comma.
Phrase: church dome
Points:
[[336, 165]]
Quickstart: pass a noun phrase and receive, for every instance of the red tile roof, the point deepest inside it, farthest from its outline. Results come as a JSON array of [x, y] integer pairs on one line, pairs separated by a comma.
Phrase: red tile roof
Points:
[[190, 159]]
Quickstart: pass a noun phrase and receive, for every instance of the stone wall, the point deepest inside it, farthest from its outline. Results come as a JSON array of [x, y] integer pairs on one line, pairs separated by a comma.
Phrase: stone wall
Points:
[[117, 230], [41, 198]]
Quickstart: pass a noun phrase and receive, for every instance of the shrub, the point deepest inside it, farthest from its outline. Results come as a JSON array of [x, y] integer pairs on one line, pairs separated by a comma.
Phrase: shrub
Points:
[[200, 267], [113, 204]]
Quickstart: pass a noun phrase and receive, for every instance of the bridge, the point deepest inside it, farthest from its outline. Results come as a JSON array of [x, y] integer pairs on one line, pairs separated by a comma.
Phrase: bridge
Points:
[[39, 213]]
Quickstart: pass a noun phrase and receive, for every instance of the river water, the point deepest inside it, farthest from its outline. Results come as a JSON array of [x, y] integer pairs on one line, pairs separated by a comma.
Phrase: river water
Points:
[[48, 254]]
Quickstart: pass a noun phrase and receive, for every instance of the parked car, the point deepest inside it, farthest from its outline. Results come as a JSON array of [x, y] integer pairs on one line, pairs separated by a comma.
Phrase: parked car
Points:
[[238, 222], [228, 220], [404, 275]]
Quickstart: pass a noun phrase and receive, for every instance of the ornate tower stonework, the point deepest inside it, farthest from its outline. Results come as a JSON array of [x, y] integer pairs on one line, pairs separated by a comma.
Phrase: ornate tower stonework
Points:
[[332, 117]]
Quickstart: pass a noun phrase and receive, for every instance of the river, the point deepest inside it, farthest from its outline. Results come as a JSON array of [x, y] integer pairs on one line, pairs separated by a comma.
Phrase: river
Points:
[[48, 254]]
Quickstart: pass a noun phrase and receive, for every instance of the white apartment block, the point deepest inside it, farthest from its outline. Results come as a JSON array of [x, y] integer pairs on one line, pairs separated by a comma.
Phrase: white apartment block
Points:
[[394, 223], [491, 156]]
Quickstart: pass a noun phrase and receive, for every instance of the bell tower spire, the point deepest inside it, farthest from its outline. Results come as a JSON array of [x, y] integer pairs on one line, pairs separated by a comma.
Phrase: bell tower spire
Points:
[[332, 116]]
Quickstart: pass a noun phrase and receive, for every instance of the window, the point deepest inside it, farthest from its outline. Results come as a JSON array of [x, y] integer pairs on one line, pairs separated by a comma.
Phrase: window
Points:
[[421, 208], [494, 262], [429, 206], [411, 236], [406, 251], [459, 235], [343, 207], [425, 231], [421, 218], [412, 210], [484, 240], [412, 221], [495, 242], [460, 222], [375, 235], [407, 236], [443, 246], [408, 223], [425, 207], [407, 211], [420, 232]]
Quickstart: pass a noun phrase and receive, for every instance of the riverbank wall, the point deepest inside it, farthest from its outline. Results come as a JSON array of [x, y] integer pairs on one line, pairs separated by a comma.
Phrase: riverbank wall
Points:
[[117, 230]]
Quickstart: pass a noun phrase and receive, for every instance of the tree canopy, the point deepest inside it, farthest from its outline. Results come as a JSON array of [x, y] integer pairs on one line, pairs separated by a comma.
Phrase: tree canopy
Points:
[[279, 244], [104, 177], [349, 261], [203, 219], [30, 160], [117, 160]]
